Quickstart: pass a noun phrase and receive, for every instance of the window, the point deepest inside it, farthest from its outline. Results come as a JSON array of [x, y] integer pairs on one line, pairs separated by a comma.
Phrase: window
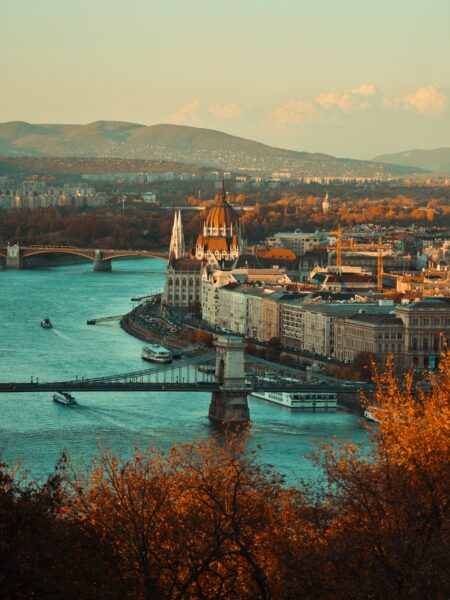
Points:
[[415, 321], [414, 344], [437, 322], [436, 343], [425, 344], [426, 321]]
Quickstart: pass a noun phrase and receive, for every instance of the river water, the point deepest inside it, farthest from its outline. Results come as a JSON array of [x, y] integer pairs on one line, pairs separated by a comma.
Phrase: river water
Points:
[[34, 430]]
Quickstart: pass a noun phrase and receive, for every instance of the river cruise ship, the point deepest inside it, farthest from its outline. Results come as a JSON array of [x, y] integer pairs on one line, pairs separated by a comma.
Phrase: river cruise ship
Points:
[[306, 400], [156, 353]]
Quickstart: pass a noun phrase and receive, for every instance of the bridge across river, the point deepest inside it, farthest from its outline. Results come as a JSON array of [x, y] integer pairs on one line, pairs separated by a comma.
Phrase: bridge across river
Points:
[[16, 255], [228, 374]]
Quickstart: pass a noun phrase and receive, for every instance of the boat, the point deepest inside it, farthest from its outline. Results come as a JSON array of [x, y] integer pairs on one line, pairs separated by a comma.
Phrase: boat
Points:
[[371, 414], [209, 369], [156, 353], [46, 323], [65, 399], [304, 400]]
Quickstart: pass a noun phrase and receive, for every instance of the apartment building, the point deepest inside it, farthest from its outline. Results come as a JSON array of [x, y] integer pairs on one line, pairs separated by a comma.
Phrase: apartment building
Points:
[[298, 241], [379, 334]]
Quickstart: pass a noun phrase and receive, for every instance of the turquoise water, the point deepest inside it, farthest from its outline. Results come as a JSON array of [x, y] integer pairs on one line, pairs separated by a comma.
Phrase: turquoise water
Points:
[[34, 430]]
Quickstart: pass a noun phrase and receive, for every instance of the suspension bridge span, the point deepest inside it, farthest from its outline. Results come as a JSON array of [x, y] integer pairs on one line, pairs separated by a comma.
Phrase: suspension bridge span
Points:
[[228, 374]]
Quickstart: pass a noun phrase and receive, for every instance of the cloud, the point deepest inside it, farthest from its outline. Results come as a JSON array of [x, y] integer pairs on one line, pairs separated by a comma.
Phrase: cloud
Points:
[[226, 111], [359, 98], [427, 99], [295, 112], [186, 114]]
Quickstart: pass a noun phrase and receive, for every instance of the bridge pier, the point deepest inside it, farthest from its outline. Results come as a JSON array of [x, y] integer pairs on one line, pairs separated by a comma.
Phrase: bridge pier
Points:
[[229, 405], [100, 263], [13, 258]]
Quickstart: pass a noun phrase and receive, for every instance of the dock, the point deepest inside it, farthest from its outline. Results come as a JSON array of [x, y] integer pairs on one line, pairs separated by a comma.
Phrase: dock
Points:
[[103, 319]]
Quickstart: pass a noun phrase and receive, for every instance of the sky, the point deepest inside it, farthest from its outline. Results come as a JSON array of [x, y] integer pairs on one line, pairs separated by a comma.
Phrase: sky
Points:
[[352, 78]]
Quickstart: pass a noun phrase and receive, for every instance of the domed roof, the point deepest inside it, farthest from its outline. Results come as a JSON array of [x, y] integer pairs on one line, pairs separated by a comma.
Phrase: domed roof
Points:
[[222, 215]]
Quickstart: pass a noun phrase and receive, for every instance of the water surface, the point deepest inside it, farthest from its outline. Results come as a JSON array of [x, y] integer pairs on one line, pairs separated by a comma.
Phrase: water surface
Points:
[[34, 430]]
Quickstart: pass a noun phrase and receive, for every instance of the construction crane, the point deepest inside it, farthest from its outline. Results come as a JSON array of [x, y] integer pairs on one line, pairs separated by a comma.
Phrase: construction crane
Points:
[[338, 233], [380, 266]]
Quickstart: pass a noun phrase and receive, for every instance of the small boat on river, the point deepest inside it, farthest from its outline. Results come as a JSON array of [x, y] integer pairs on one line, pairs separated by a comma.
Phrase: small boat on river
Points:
[[46, 323], [156, 353], [64, 398]]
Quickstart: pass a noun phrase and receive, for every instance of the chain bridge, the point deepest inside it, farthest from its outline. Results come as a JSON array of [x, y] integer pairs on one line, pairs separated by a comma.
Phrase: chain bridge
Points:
[[228, 374], [15, 256]]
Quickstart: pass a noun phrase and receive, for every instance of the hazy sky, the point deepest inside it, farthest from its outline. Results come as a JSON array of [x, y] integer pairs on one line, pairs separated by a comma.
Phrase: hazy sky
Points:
[[347, 77]]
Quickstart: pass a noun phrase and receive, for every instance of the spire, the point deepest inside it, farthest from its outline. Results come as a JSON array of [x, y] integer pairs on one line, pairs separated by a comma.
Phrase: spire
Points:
[[223, 194], [177, 247]]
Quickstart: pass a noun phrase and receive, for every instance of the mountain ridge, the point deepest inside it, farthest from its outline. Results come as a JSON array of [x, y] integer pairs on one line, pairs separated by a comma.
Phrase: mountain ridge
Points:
[[178, 143], [435, 159]]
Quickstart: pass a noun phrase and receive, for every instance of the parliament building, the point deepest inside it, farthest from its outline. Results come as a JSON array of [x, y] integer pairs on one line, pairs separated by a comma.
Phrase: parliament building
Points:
[[218, 246]]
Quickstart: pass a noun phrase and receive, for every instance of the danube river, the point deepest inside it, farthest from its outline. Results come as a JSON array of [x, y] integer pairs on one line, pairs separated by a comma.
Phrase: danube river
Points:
[[34, 430]]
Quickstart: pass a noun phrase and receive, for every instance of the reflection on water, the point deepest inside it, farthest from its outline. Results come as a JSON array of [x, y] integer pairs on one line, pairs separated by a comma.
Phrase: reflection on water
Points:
[[34, 429]]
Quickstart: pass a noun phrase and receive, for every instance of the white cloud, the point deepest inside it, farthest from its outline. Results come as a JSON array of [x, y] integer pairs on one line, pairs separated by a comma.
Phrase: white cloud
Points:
[[427, 99], [226, 111], [358, 98], [295, 112], [185, 115]]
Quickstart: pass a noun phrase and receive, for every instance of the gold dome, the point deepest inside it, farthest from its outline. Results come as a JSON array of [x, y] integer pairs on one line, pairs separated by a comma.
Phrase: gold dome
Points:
[[222, 216]]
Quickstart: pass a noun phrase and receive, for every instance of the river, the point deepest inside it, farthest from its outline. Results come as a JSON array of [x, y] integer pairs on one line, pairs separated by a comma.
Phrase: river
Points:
[[34, 430]]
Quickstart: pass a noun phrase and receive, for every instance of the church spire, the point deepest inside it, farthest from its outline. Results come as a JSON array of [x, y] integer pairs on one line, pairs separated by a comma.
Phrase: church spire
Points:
[[177, 246], [223, 194]]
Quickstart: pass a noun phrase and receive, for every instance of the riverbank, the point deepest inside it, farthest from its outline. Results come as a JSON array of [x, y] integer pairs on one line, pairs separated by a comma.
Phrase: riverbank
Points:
[[145, 323]]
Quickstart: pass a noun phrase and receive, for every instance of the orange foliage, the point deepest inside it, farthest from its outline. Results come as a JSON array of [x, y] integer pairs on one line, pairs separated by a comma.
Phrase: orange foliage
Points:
[[205, 522]]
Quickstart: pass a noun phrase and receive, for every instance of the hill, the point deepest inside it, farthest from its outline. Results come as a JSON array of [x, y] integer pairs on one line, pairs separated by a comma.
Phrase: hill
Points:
[[178, 143], [42, 165], [437, 160]]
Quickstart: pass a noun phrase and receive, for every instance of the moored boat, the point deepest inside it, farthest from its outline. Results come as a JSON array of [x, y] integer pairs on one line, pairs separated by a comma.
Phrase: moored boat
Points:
[[304, 400], [64, 398], [156, 353]]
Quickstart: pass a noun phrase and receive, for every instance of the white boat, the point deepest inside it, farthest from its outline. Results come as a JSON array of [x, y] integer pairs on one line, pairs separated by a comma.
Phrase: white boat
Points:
[[64, 398], [305, 400], [371, 413], [156, 353], [46, 323]]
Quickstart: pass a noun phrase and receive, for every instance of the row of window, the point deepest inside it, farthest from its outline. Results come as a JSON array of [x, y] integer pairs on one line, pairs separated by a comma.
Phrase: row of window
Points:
[[390, 335], [428, 321]]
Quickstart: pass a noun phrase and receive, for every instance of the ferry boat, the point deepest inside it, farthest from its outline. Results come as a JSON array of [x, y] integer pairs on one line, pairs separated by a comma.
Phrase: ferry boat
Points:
[[156, 353], [305, 400], [46, 323], [65, 399]]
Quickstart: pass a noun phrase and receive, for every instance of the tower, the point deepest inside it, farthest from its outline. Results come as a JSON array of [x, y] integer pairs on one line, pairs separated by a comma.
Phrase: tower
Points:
[[339, 247], [177, 247], [380, 266], [325, 204]]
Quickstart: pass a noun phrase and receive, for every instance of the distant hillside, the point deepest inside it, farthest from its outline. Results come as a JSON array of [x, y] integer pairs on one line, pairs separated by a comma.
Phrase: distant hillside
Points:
[[437, 160], [42, 165], [177, 143]]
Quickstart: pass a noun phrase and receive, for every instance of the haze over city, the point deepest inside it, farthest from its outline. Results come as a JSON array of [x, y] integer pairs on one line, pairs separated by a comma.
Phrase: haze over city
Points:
[[346, 78]]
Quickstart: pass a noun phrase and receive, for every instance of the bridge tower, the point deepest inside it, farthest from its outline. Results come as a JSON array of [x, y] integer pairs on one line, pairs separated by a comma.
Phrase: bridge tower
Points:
[[13, 258], [229, 405], [100, 263]]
